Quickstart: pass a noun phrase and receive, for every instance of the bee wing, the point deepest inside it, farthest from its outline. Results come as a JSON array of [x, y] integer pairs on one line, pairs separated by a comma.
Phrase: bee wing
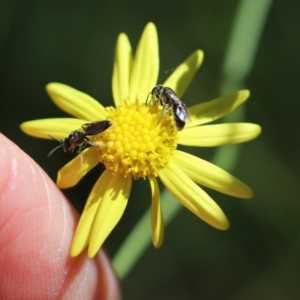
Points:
[[174, 97], [96, 127], [188, 116], [182, 104]]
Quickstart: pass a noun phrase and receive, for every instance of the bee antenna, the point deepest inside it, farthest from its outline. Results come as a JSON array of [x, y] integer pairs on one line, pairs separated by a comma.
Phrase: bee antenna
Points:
[[54, 150], [61, 144]]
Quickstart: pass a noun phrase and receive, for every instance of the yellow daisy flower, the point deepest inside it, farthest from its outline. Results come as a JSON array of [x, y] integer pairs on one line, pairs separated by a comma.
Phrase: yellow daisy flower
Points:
[[142, 143]]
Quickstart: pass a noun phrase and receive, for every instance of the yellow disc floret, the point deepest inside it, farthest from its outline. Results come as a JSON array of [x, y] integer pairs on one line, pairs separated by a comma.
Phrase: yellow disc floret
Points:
[[139, 143]]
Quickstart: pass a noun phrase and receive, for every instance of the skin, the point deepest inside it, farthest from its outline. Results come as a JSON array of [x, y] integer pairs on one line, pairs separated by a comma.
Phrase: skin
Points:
[[37, 224]]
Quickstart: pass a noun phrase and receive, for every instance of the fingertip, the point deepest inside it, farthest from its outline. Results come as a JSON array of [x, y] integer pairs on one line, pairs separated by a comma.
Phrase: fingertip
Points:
[[36, 228], [110, 284]]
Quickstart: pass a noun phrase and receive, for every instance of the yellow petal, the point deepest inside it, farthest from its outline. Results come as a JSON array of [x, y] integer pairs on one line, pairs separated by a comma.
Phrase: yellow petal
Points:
[[84, 227], [70, 174], [217, 108], [59, 128], [181, 78], [146, 63], [110, 211], [219, 134], [122, 68], [192, 196], [211, 176], [75, 103], [157, 221]]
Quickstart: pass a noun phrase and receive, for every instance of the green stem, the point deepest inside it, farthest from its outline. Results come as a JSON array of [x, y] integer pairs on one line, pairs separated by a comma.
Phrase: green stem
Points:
[[244, 39], [139, 238]]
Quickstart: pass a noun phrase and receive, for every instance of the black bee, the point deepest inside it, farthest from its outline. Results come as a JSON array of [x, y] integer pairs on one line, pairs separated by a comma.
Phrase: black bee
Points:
[[79, 138], [169, 100]]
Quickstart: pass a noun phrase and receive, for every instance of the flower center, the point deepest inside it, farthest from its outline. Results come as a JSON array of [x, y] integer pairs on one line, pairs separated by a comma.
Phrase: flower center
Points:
[[140, 142]]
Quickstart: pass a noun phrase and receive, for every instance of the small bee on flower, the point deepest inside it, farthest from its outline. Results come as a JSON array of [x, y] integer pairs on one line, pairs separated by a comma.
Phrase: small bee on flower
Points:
[[169, 100], [79, 138]]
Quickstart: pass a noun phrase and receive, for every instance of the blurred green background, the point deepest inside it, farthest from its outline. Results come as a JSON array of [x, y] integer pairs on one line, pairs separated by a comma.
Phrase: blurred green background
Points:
[[73, 42]]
